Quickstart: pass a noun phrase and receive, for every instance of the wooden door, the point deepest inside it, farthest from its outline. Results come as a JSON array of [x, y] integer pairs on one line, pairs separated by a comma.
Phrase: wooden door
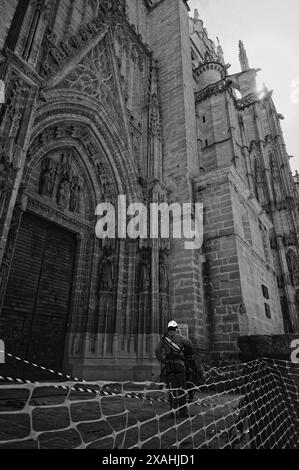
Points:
[[37, 303]]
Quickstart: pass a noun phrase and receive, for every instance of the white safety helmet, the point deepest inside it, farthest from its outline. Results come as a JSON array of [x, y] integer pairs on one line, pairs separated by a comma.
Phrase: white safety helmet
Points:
[[172, 324]]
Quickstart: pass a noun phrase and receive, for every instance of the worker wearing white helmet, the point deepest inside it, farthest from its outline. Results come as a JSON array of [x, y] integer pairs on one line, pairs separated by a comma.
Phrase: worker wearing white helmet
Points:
[[170, 352]]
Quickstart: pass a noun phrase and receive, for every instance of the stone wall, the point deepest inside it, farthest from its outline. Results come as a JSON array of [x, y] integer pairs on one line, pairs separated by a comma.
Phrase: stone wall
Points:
[[256, 265], [170, 42], [222, 275], [238, 263]]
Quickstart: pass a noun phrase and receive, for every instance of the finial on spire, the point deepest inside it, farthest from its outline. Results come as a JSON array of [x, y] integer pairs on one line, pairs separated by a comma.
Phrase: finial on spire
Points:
[[196, 15], [243, 57], [220, 52]]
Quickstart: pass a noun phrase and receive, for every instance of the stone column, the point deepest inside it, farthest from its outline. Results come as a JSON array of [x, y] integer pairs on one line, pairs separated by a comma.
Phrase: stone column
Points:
[[169, 40]]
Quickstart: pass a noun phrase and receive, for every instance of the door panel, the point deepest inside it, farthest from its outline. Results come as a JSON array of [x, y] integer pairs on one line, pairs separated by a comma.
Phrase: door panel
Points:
[[34, 320]]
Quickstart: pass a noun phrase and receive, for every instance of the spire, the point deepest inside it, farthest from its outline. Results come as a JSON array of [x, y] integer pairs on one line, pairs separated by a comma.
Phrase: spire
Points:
[[243, 57], [196, 15], [220, 52]]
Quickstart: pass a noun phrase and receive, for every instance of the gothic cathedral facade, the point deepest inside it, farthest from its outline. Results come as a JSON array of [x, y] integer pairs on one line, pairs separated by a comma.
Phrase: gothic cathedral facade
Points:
[[113, 97]]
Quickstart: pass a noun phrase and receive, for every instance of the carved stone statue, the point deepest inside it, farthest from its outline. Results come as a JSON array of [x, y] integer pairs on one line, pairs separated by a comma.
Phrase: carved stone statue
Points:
[[163, 272], [106, 271], [144, 281], [63, 194], [47, 178], [75, 196]]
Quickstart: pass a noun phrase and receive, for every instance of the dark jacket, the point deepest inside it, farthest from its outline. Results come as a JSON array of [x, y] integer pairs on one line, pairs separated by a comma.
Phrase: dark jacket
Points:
[[164, 352]]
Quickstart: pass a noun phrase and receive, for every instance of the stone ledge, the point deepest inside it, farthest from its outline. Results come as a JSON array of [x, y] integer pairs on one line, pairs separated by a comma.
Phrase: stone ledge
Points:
[[276, 347]]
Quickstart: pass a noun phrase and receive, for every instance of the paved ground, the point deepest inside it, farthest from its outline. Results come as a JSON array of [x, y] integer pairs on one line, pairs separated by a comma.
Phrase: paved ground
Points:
[[50, 421]]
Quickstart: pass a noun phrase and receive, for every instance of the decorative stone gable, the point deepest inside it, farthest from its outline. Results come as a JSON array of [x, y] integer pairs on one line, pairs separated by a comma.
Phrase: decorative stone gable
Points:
[[94, 77]]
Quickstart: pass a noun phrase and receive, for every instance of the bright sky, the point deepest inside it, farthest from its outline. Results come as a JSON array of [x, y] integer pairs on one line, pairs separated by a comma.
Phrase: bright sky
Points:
[[270, 32]]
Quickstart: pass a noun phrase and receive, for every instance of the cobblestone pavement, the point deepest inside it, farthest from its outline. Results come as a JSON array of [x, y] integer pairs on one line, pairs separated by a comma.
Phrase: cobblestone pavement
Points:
[[93, 422]]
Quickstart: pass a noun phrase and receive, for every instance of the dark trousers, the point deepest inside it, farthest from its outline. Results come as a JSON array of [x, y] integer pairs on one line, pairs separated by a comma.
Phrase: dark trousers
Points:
[[190, 379], [176, 381]]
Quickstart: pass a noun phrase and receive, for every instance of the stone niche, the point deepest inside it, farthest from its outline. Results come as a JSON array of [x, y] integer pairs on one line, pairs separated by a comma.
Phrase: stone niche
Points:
[[276, 346]]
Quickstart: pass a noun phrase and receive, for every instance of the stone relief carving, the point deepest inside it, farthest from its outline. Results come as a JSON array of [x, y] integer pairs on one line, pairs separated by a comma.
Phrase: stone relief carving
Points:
[[106, 12], [106, 278], [17, 95], [163, 272], [57, 54], [75, 195], [106, 267], [47, 177], [144, 270], [220, 87], [63, 194], [94, 77], [143, 283], [58, 182], [81, 134]]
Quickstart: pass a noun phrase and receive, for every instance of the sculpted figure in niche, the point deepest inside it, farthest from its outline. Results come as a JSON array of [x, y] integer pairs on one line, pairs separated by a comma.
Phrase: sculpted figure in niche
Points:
[[163, 272], [144, 272], [106, 271], [75, 196], [47, 178], [63, 195]]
